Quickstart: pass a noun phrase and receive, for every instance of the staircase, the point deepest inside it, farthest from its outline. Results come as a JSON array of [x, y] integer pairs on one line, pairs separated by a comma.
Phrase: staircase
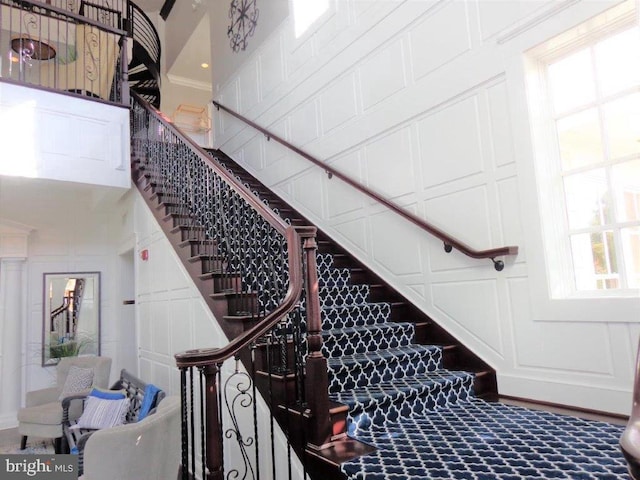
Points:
[[144, 67], [407, 400]]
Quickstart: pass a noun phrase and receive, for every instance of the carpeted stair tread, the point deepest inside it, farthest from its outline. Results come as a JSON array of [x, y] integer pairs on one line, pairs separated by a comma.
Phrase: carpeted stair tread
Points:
[[403, 398], [352, 340], [362, 369], [343, 295], [345, 316], [490, 441], [401, 388]]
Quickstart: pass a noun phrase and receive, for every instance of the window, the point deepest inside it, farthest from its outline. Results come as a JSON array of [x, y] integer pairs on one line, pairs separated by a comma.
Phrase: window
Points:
[[592, 91], [305, 12]]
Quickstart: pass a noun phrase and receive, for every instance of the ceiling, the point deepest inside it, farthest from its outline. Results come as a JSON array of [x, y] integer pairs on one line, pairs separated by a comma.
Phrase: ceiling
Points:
[[196, 51]]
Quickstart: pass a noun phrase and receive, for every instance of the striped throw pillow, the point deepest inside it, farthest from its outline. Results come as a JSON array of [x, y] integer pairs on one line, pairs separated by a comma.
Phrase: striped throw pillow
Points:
[[103, 413]]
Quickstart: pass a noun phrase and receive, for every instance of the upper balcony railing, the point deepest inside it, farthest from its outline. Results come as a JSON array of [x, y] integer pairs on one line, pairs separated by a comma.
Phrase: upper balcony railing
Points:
[[449, 241], [74, 46]]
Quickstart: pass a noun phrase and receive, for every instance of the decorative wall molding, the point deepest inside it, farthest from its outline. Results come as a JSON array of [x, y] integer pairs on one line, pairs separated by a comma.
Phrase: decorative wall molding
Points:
[[14, 239]]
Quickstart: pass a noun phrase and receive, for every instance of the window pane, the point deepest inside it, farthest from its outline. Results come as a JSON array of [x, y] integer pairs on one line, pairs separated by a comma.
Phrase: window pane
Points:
[[587, 199], [580, 140], [617, 63], [622, 126], [626, 185], [594, 261], [631, 250], [571, 81], [305, 12]]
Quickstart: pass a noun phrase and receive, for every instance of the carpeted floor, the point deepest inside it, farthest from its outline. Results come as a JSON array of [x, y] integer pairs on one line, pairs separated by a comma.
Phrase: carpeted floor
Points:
[[478, 440], [10, 443]]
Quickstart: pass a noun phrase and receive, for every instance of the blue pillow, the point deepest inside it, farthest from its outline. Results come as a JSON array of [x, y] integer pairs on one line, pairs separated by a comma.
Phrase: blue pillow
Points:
[[150, 393], [107, 394]]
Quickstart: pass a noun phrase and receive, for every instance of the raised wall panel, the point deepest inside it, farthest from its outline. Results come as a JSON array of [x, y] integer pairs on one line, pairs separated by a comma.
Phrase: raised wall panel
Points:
[[511, 217], [271, 66], [299, 55], [335, 24], [478, 313], [450, 144], [230, 98], [181, 328], [252, 153], [464, 214], [383, 74], [354, 233], [501, 134], [395, 244], [274, 151], [556, 345], [160, 329], [389, 164], [249, 93], [441, 37], [341, 197], [304, 124], [338, 103], [306, 191]]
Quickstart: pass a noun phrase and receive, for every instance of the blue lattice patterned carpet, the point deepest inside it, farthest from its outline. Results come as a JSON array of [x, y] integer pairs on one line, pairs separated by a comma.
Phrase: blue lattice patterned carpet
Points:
[[478, 440]]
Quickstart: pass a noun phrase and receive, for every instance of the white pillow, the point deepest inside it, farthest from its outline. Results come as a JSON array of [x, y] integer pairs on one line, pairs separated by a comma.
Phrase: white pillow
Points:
[[78, 380], [103, 413]]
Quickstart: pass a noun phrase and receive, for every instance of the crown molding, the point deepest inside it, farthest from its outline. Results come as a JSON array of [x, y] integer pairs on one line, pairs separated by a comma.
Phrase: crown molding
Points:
[[187, 82]]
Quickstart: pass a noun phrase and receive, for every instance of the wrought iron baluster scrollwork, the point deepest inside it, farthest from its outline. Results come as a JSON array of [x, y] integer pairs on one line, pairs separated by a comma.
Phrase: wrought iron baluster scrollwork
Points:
[[241, 399]]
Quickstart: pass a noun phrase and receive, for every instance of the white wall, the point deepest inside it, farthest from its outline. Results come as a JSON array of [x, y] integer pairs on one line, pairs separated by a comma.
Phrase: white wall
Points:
[[424, 102], [172, 316], [35, 136]]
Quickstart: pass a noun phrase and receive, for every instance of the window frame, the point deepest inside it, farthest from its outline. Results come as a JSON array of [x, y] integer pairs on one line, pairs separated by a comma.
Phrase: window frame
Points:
[[556, 243]]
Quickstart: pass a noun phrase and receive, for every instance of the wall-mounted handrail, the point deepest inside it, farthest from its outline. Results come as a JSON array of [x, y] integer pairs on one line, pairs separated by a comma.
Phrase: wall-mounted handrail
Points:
[[449, 241]]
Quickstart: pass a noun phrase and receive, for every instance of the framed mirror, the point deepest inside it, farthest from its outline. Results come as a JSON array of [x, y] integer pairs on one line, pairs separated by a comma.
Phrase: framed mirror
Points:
[[71, 320]]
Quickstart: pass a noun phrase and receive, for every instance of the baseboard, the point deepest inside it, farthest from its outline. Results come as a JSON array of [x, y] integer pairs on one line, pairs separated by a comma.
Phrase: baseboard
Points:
[[571, 395]]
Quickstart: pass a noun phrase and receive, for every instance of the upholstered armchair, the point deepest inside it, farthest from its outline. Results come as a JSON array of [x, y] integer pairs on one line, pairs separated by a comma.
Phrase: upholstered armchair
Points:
[[42, 415], [92, 67], [145, 450], [630, 439]]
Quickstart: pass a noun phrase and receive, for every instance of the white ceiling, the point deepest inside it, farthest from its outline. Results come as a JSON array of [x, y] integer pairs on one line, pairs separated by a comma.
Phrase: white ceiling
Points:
[[196, 51]]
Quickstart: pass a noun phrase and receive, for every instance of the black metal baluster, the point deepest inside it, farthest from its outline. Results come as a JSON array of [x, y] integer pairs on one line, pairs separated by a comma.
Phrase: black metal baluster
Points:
[[203, 422], [255, 410], [185, 421], [193, 423]]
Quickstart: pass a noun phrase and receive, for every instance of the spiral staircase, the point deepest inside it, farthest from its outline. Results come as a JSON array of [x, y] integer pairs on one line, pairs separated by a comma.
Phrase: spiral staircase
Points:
[[144, 67]]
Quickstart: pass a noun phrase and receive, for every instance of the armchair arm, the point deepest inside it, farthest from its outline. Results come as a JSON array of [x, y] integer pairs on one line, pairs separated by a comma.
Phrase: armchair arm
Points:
[[40, 397], [146, 450], [66, 403]]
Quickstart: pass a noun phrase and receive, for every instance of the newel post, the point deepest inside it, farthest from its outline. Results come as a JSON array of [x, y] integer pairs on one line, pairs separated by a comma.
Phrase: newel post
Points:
[[316, 379]]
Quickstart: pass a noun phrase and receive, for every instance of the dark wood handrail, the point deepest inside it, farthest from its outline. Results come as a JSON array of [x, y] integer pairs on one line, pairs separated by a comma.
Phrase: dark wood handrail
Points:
[[214, 356], [449, 241], [293, 235]]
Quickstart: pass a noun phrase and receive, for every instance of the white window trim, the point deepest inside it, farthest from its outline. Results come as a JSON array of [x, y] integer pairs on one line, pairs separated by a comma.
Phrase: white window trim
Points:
[[532, 135]]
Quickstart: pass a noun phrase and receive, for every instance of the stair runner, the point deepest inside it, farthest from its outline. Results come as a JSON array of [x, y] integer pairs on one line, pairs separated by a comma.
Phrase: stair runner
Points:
[[424, 419]]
